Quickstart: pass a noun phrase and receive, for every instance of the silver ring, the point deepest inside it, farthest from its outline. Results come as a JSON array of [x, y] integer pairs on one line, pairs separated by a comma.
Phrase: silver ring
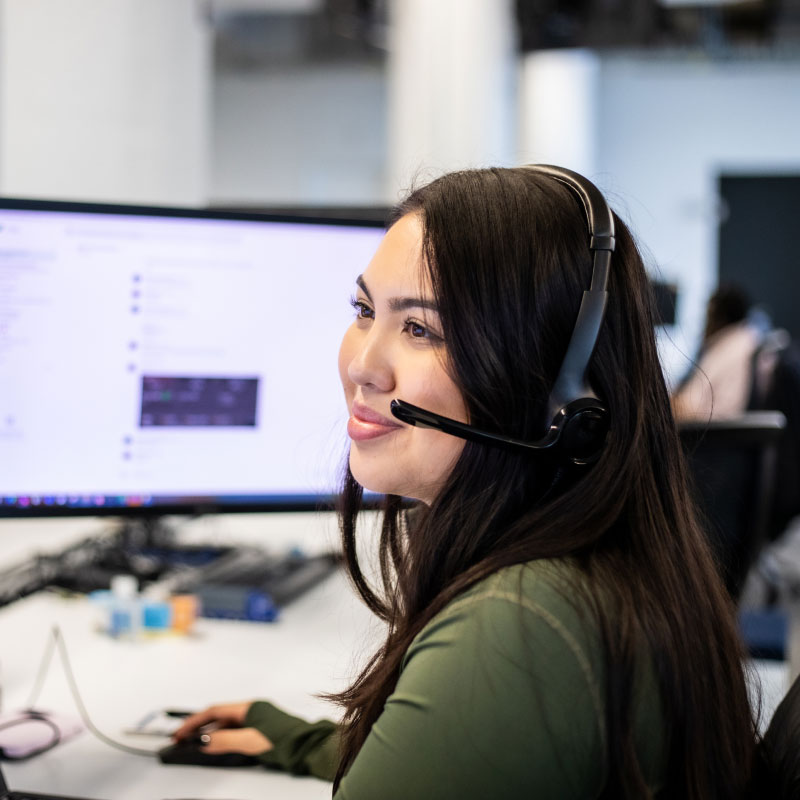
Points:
[[205, 738]]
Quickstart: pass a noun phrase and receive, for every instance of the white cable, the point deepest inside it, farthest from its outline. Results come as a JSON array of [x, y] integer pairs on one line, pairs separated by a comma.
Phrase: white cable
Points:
[[56, 639]]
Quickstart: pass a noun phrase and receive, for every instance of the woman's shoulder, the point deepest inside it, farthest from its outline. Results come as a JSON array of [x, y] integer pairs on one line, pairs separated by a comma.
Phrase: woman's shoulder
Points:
[[510, 658], [538, 577], [524, 610], [535, 626], [545, 590]]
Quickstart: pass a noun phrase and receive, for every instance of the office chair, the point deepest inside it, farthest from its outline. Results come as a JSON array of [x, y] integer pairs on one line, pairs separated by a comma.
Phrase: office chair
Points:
[[776, 386], [732, 469]]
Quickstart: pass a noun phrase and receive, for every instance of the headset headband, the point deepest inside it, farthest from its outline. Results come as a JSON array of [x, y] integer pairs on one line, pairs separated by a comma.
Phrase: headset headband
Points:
[[580, 421], [571, 381]]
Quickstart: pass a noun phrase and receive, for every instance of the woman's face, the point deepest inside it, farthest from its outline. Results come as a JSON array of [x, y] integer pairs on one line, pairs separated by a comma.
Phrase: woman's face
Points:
[[394, 349]]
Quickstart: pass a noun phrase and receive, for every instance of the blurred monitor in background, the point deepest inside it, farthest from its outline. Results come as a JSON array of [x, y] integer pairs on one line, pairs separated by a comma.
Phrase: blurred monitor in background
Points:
[[665, 297]]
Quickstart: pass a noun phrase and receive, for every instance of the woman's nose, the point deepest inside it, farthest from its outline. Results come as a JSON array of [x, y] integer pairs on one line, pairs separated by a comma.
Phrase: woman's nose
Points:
[[370, 364]]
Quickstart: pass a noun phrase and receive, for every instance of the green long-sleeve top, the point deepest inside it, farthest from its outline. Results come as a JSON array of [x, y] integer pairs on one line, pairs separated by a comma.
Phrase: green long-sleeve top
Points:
[[500, 695]]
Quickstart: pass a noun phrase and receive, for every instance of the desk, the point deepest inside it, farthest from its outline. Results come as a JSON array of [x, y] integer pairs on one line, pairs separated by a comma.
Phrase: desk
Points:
[[316, 646]]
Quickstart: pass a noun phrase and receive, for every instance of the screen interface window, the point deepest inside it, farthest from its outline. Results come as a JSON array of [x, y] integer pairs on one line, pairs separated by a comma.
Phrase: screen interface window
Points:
[[148, 359]]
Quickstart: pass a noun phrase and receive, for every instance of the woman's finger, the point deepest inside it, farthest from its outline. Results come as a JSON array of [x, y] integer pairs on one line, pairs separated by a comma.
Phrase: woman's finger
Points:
[[195, 721], [248, 741], [226, 715]]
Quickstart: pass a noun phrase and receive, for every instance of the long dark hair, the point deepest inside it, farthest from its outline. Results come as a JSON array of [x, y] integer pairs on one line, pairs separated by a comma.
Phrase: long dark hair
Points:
[[506, 252]]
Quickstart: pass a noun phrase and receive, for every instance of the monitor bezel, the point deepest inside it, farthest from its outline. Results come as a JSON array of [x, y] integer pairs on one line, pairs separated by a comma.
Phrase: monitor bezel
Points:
[[296, 503]]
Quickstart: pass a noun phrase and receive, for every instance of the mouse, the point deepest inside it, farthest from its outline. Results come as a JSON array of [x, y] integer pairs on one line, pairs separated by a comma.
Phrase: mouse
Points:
[[190, 751]]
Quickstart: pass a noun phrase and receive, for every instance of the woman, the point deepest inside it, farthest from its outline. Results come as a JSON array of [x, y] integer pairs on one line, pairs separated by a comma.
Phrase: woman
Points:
[[555, 629]]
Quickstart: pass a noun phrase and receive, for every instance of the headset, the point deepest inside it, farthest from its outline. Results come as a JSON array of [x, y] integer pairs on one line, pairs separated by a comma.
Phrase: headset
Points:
[[580, 420]]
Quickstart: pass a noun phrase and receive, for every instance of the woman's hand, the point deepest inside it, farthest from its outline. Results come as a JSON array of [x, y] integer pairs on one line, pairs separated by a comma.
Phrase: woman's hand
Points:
[[221, 729], [248, 741]]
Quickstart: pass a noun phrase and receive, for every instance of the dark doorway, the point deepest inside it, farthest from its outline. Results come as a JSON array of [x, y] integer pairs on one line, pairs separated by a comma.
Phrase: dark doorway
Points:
[[758, 242]]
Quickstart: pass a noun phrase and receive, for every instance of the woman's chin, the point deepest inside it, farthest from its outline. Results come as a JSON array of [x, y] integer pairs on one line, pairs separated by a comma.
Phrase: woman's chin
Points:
[[370, 481], [374, 478]]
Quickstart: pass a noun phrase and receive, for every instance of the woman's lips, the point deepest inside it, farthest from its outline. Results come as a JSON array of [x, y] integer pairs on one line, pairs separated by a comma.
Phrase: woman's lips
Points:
[[364, 424]]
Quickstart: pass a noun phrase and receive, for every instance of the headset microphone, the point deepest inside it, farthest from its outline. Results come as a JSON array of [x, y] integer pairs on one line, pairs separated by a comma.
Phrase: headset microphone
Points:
[[580, 421]]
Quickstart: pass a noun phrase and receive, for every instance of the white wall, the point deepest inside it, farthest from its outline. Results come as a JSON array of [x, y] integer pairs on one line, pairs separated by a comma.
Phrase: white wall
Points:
[[452, 69], [360, 134], [104, 100], [558, 109], [312, 134], [666, 129], [109, 101]]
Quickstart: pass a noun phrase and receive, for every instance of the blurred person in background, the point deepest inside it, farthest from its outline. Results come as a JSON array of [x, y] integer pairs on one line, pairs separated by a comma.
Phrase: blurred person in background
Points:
[[721, 383]]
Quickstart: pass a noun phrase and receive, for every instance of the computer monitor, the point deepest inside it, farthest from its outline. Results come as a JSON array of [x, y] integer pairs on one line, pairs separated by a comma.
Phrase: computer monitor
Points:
[[163, 360]]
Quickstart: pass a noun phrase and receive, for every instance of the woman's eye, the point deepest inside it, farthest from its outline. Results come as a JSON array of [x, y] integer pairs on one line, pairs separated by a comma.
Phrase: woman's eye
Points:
[[363, 311], [418, 331]]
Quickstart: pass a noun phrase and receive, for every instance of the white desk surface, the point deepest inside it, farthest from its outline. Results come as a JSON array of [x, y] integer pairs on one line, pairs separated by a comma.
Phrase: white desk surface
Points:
[[317, 646], [314, 647]]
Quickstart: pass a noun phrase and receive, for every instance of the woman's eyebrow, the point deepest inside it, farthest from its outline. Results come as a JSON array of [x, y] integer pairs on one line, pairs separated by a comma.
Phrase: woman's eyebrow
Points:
[[404, 303], [363, 286], [399, 303]]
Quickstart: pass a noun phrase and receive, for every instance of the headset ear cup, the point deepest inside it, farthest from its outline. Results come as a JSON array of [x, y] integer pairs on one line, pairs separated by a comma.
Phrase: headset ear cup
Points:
[[584, 426]]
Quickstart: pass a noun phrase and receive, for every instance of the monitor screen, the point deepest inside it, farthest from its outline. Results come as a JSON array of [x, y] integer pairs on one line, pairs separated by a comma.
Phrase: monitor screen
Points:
[[171, 360]]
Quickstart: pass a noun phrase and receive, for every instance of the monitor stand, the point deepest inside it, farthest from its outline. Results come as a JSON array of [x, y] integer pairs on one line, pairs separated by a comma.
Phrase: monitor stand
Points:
[[146, 547], [145, 532], [226, 578]]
